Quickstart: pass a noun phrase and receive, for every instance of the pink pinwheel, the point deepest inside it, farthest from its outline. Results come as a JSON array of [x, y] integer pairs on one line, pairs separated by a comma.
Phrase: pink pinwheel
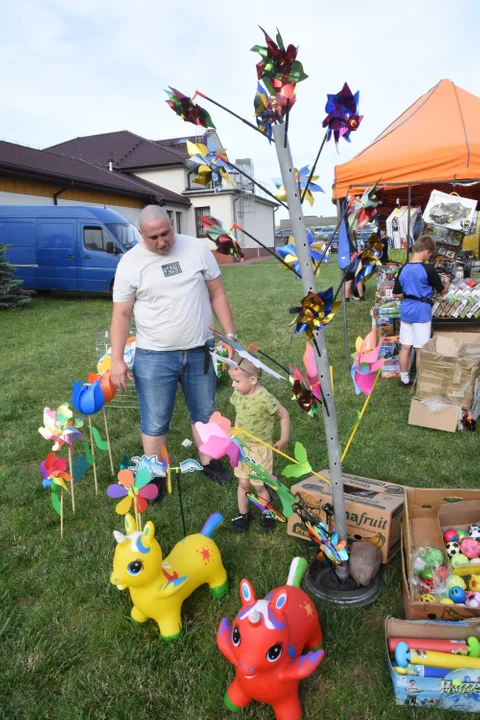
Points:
[[134, 489], [366, 363], [53, 471], [216, 439], [60, 426]]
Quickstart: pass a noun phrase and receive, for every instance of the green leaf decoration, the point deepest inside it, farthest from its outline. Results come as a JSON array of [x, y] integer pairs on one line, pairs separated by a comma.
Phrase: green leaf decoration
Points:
[[88, 453], [55, 502], [295, 471], [101, 444], [301, 455]]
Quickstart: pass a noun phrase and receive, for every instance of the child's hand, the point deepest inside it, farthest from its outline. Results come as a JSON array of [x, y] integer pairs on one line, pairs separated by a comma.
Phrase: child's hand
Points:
[[281, 444]]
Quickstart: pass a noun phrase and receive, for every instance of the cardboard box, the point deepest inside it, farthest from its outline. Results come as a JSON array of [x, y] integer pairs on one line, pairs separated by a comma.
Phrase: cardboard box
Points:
[[374, 510], [461, 515], [446, 418], [422, 506], [415, 610], [448, 370], [458, 690]]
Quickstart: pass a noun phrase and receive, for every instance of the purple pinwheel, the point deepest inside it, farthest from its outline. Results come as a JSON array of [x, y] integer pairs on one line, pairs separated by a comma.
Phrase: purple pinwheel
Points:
[[343, 117]]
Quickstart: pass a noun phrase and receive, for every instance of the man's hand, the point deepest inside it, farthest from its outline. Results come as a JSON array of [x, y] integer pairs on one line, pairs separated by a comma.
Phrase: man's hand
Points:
[[118, 374], [228, 348]]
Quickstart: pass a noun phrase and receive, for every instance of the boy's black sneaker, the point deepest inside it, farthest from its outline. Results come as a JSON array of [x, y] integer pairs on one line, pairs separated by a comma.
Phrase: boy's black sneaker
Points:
[[160, 483], [216, 472], [401, 384], [241, 522], [267, 523], [362, 299]]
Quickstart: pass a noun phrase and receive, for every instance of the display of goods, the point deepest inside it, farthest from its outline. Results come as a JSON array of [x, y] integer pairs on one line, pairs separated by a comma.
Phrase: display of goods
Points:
[[461, 301]]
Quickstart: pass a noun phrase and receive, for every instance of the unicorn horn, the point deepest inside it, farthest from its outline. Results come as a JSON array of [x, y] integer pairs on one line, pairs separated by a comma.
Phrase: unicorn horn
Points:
[[254, 616], [119, 537]]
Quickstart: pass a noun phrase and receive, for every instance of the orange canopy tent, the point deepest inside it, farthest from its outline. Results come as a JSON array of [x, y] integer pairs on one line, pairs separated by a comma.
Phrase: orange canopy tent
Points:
[[436, 142]]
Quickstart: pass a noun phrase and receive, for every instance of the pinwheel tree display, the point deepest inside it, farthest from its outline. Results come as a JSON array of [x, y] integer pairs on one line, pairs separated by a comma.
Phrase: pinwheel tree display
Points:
[[280, 72]]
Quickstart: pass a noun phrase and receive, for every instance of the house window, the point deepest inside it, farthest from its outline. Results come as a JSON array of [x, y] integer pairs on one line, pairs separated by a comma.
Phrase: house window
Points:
[[178, 222], [170, 214], [198, 223], [95, 238]]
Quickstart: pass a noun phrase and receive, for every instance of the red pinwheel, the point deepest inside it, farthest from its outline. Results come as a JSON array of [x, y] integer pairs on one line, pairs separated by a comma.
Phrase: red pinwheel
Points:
[[278, 66], [343, 117], [184, 106], [223, 238], [134, 489]]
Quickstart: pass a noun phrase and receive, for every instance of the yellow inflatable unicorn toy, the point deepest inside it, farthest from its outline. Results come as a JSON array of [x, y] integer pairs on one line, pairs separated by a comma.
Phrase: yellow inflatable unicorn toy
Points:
[[158, 587]]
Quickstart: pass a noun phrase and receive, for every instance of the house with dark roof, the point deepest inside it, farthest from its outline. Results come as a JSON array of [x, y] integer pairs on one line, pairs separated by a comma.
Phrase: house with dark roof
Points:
[[40, 177], [161, 163]]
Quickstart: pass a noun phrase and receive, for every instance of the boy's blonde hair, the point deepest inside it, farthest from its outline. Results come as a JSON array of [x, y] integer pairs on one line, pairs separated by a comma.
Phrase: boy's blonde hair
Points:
[[247, 366], [425, 243]]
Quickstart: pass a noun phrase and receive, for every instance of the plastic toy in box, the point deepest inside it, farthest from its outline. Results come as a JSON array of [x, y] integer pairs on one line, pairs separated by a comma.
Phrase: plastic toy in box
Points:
[[390, 351], [385, 281], [461, 301]]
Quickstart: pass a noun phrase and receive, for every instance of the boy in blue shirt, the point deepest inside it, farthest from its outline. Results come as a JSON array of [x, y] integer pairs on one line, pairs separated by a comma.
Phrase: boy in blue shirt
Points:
[[415, 284]]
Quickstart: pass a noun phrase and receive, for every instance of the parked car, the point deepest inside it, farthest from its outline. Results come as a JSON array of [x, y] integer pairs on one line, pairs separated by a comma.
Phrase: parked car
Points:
[[65, 247]]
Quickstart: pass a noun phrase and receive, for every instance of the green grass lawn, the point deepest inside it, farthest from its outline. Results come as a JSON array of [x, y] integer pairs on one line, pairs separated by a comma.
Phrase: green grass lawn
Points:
[[68, 648]]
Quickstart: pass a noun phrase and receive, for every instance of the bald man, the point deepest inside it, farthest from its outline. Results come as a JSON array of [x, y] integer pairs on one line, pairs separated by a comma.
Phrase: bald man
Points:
[[172, 284]]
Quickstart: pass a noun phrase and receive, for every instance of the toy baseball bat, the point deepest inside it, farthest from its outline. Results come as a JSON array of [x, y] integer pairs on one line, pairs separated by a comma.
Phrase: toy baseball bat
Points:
[[433, 659], [456, 647], [422, 671]]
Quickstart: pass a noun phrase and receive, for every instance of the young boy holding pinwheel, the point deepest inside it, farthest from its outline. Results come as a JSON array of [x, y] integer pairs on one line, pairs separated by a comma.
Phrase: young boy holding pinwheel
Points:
[[256, 410]]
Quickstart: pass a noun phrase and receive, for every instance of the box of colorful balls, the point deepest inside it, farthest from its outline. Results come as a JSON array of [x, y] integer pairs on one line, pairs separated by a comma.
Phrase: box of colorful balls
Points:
[[460, 526], [435, 664]]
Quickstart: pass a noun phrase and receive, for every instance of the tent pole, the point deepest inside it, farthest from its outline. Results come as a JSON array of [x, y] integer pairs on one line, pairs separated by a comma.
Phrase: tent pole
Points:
[[408, 220], [344, 299]]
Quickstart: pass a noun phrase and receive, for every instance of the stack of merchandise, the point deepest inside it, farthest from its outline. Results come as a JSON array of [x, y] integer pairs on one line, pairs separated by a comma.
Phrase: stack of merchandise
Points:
[[387, 310], [390, 351], [461, 302]]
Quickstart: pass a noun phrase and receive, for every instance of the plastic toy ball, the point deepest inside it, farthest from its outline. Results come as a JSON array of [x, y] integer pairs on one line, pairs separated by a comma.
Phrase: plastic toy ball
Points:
[[452, 548], [450, 535], [427, 598], [458, 560], [473, 600], [442, 573], [457, 595], [427, 573], [470, 548], [455, 581], [434, 557], [474, 583], [462, 533], [474, 532], [419, 565], [446, 601]]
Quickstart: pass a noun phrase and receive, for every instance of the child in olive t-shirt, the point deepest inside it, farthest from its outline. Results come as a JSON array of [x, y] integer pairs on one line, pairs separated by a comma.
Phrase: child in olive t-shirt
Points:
[[256, 410]]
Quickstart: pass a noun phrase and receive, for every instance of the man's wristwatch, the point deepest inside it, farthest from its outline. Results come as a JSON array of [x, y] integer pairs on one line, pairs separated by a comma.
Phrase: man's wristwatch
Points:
[[231, 336]]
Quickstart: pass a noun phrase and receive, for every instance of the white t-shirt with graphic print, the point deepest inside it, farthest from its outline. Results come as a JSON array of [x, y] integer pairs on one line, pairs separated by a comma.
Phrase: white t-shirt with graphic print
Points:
[[172, 305]]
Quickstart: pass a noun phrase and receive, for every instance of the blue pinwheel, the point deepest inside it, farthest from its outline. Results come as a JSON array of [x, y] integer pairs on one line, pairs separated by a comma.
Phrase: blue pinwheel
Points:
[[343, 117], [305, 187], [289, 253], [209, 163]]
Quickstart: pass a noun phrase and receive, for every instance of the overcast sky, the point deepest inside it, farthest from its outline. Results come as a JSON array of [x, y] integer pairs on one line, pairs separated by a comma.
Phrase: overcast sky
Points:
[[72, 69]]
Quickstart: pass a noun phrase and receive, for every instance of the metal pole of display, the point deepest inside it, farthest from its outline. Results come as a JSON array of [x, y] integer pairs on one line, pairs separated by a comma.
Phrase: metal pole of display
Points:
[[334, 585], [408, 220], [308, 281], [344, 299]]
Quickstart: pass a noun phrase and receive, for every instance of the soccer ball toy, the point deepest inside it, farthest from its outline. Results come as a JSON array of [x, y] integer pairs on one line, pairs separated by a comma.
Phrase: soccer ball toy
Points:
[[452, 548]]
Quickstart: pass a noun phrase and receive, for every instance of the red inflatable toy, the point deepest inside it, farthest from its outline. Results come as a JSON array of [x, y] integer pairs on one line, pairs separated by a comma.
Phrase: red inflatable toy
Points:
[[266, 642]]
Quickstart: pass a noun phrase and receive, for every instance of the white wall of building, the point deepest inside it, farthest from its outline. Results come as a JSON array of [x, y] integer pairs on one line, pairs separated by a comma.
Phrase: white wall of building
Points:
[[172, 178], [259, 223]]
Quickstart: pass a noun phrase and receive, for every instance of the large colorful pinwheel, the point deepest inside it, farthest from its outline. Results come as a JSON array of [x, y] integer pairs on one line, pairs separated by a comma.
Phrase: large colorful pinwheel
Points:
[[368, 260], [366, 363], [343, 117], [60, 426], [307, 390], [289, 253], [184, 106], [315, 311], [134, 489], [216, 440], [302, 179], [278, 66], [209, 163], [361, 210], [269, 110], [223, 238]]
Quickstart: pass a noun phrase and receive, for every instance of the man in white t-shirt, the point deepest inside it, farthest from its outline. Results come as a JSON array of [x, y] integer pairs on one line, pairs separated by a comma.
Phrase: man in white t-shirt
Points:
[[172, 284]]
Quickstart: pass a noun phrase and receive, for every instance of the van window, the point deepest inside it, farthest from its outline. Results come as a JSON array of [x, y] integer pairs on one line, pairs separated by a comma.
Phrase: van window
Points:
[[95, 238]]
